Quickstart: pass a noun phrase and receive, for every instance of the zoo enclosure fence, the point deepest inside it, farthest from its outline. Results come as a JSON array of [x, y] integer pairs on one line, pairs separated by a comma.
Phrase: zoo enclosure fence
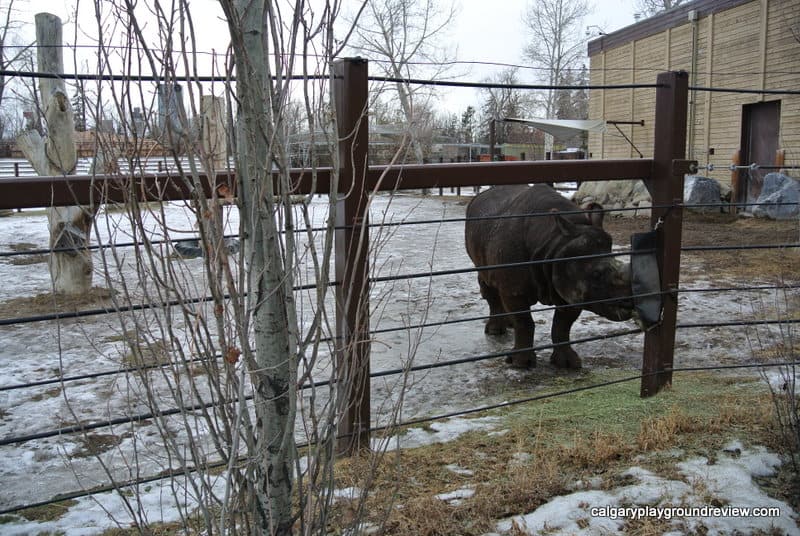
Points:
[[662, 174]]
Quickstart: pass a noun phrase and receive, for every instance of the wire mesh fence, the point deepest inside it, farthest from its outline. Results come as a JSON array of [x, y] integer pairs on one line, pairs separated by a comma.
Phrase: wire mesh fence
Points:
[[406, 326]]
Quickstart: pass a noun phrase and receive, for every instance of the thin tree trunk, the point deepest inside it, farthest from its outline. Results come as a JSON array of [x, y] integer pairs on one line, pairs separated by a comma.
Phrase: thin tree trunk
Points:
[[271, 371]]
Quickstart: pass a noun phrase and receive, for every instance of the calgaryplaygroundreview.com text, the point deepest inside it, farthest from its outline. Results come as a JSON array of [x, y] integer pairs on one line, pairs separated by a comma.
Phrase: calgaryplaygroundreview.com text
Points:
[[670, 512]]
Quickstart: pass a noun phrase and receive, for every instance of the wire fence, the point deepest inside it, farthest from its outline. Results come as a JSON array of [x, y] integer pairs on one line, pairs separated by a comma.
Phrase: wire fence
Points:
[[86, 427], [181, 471]]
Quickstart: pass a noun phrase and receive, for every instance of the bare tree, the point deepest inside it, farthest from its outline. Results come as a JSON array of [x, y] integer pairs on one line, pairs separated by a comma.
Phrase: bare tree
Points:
[[13, 55], [556, 41], [500, 103], [11, 52], [405, 38], [226, 341], [648, 8]]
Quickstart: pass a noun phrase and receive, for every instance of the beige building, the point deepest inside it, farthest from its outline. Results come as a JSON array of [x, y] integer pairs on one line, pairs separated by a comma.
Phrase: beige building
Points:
[[744, 44]]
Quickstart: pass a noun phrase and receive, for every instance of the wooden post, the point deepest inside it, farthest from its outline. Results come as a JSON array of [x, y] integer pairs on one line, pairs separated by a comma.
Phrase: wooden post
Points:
[[666, 188], [213, 141], [780, 158], [736, 160], [213, 138], [71, 271], [492, 139], [352, 262]]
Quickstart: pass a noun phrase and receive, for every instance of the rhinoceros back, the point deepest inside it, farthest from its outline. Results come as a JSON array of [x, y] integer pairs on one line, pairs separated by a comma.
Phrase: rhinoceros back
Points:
[[483, 234], [497, 241]]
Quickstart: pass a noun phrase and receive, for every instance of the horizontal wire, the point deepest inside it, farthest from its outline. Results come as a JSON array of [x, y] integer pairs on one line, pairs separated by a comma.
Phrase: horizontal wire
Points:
[[384, 79], [438, 221], [128, 308], [84, 427], [382, 331], [470, 359], [736, 323], [580, 389], [385, 279], [181, 471], [741, 248], [100, 374], [493, 85], [748, 91], [142, 78], [487, 63], [126, 370]]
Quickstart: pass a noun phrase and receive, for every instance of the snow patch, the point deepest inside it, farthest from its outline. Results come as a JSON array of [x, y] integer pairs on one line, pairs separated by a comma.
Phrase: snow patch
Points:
[[454, 468], [729, 481], [347, 494], [456, 497], [439, 432]]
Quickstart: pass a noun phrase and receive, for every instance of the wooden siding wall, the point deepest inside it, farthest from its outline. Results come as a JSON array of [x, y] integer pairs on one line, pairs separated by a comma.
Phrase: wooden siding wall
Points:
[[735, 47]]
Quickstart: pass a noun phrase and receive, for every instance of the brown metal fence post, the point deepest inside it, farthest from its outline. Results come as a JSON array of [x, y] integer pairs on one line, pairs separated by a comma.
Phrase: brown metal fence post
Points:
[[666, 188], [351, 248], [780, 158], [736, 159]]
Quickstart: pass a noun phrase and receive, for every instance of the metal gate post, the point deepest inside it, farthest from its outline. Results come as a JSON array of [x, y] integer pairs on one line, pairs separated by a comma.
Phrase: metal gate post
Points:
[[351, 248], [666, 188]]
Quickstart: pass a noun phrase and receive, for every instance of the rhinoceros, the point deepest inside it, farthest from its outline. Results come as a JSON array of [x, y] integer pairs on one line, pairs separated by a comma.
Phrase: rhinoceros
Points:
[[494, 241]]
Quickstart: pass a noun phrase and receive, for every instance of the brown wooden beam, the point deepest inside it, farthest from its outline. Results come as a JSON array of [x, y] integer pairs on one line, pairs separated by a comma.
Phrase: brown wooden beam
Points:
[[351, 243], [666, 188], [30, 192]]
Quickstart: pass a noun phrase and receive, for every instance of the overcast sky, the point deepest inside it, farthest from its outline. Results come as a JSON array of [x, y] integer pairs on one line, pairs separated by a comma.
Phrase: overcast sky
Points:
[[482, 31]]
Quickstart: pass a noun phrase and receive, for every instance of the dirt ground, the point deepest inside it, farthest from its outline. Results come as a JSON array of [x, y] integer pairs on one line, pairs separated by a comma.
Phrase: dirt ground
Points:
[[715, 229]]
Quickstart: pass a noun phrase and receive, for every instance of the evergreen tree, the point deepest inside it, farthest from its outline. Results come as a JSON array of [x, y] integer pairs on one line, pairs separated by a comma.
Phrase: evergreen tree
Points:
[[580, 96], [79, 110], [564, 97], [468, 126]]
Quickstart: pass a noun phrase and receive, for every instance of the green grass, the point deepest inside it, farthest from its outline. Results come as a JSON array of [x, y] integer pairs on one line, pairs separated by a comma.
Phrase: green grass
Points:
[[618, 408]]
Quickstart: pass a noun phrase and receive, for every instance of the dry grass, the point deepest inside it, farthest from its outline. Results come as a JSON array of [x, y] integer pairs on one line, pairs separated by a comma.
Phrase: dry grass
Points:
[[95, 444], [699, 415], [24, 260], [145, 353], [50, 302], [718, 229], [576, 437], [50, 512]]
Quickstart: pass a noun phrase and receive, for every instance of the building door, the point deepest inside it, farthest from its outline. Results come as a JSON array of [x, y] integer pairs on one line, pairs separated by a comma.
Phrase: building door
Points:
[[760, 127]]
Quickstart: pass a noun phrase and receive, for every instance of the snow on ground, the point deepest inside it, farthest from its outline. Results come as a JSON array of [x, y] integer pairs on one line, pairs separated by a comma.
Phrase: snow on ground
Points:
[[348, 494], [155, 502], [40, 469], [438, 432], [456, 497], [726, 483]]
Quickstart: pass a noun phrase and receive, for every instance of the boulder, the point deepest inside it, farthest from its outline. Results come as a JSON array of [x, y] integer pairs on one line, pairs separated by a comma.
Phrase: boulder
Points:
[[616, 195], [699, 190], [192, 249], [774, 182], [779, 198]]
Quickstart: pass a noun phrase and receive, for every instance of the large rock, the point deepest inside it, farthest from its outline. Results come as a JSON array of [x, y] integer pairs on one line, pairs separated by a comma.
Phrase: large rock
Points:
[[779, 199], [616, 195], [702, 192]]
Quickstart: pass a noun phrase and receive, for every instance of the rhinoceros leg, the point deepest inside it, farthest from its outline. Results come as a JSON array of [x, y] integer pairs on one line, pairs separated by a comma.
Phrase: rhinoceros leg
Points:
[[564, 356], [523, 332], [495, 325]]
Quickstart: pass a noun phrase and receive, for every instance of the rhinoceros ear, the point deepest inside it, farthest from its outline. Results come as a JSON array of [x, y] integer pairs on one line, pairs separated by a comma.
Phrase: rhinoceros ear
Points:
[[595, 218], [564, 226]]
